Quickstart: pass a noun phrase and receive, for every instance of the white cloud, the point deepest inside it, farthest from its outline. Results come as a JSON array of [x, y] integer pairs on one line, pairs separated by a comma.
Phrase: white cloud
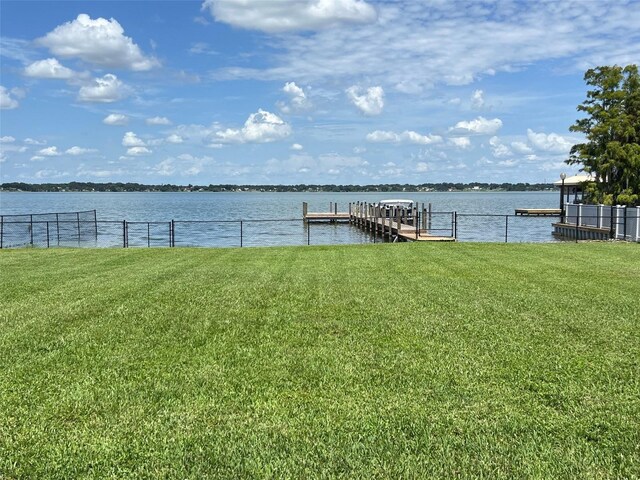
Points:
[[7, 139], [185, 165], [297, 147], [173, 138], [7, 102], [202, 48], [260, 127], [158, 121], [33, 141], [521, 148], [477, 99], [49, 68], [498, 148], [290, 15], [370, 103], [37, 158], [84, 171], [50, 174], [406, 45], [479, 126], [101, 42], [12, 147], [115, 119], [137, 151], [165, 168], [298, 100], [552, 142], [49, 152], [79, 151], [103, 90], [460, 142], [408, 136], [130, 139]]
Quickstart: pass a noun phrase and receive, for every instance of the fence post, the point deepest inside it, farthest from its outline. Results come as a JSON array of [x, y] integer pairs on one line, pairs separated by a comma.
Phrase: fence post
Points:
[[148, 235], [637, 239], [58, 228], [506, 228], [1, 230], [31, 228], [95, 224], [308, 233], [47, 234], [599, 216], [612, 229], [455, 224], [172, 234], [429, 218], [124, 234], [240, 233], [624, 226]]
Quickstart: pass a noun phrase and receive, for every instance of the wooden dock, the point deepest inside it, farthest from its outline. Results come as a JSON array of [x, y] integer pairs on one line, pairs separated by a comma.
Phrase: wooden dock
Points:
[[396, 225], [539, 212], [331, 216]]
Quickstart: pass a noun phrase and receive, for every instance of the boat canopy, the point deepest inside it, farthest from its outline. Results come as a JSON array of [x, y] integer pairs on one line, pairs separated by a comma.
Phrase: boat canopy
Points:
[[396, 202], [575, 180]]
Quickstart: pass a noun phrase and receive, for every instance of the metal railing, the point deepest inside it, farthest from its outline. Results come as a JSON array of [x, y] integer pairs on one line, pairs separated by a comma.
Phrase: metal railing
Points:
[[70, 230], [48, 229]]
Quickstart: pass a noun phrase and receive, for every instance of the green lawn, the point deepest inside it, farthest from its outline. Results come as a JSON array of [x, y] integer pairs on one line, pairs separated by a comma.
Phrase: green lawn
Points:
[[380, 361]]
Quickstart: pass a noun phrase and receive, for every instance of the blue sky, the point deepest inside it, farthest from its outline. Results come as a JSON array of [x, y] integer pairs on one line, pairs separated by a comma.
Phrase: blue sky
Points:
[[300, 91]]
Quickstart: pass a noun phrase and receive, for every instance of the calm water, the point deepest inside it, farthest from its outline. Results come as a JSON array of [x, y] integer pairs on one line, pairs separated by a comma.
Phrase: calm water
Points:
[[163, 207]]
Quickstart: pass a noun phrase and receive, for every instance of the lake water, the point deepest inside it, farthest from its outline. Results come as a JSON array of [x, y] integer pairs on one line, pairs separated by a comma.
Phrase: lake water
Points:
[[229, 207]]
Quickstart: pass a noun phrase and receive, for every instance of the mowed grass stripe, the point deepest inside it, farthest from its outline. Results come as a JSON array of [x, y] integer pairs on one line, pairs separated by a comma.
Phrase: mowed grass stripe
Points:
[[468, 360]]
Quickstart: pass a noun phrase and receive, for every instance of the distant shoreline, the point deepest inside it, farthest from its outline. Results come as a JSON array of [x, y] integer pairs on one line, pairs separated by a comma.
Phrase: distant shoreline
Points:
[[137, 187]]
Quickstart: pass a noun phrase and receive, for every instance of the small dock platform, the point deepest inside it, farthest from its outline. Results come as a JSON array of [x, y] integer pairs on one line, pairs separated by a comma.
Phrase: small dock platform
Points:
[[331, 216], [539, 212]]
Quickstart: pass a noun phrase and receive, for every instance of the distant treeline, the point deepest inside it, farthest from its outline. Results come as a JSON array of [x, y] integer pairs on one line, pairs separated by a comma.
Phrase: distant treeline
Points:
[[387, 187]]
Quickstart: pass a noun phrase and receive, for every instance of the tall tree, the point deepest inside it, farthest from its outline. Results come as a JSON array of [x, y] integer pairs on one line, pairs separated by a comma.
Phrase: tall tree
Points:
[[612, 129]]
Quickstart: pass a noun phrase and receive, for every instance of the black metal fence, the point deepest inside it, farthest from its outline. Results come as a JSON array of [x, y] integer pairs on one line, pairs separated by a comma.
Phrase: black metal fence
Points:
[[82, 229], [49, 229], [16, 233]]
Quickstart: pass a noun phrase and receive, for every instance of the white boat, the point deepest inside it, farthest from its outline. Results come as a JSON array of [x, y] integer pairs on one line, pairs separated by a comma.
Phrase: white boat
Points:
[[392, 205]]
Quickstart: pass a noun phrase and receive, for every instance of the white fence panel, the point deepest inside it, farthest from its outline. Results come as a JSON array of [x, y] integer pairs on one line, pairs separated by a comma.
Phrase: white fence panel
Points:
[[626, 220]]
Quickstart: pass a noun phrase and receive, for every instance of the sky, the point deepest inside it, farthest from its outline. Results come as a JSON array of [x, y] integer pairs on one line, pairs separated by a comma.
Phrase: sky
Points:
[[300, 91]]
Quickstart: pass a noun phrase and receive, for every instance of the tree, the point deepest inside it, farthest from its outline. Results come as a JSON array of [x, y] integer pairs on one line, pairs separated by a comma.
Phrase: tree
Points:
[[612, 129]]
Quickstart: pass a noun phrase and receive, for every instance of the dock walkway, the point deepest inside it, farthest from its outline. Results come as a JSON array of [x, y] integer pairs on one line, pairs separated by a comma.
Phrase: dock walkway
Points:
[[538, 212]]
